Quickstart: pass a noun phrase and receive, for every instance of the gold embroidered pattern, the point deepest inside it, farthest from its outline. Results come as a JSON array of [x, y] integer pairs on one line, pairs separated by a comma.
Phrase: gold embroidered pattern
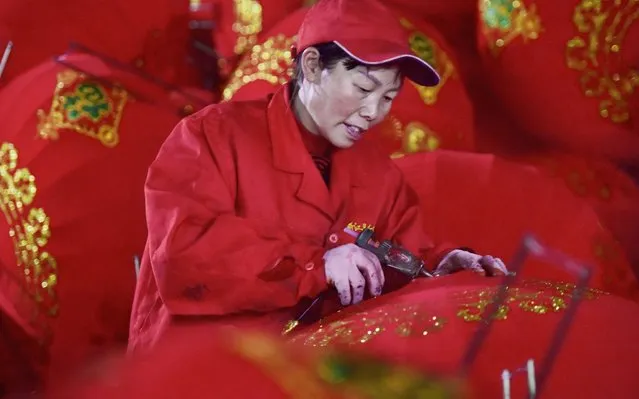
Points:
[[270, 61], [29, 230], [248, 24], [85, 107], [426, 49], [505, 20], [596, 52], [539, 297], [417, 137], [359, 227], [361, 327]]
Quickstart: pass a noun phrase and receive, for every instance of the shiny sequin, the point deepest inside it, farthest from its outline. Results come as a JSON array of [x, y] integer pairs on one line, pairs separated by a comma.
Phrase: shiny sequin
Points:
[[247, 25], [270, 61], [83, 106], [362, 327], [506, 20], [538, 297], [29, 230], [359, 227], [428, 50], [595, 52]]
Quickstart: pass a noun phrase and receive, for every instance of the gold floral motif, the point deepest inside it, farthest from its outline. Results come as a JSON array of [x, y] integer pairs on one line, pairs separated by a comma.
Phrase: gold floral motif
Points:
[[503, 21], [359, 227], [248, 24], [29, 229], [361, 327], [596, 53], [417, 137], [83, 106], [428, 50], [539, 297], [270, 61]]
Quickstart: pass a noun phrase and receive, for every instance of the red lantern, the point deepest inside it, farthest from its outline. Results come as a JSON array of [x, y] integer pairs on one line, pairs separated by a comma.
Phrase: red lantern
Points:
[[153, 37], [74, 150], [488, 204], [610, 192], [566, 70], [429, 325]]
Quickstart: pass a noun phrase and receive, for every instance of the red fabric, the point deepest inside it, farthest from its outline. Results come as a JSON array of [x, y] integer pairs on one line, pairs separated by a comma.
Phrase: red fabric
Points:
[[425, 119], [435, 8], [555, 92], [314, 143], [232, 192], [609, 190], [429, 324], [455, 20], [21, 358], [91, 193], [488, 204], [153, 37]]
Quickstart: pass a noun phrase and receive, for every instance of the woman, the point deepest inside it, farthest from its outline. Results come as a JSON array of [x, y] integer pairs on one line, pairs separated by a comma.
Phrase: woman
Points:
[[247, 202]]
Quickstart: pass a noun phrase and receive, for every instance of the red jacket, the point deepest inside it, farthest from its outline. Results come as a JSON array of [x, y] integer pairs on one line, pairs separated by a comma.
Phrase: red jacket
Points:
[[239, 219]]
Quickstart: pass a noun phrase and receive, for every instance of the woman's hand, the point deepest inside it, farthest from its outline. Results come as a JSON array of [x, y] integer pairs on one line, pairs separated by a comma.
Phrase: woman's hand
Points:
[[350, 269], [462, 260]]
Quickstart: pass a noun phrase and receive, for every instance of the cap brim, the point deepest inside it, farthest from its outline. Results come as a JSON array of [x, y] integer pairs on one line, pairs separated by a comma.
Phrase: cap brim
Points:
[[411, 66]]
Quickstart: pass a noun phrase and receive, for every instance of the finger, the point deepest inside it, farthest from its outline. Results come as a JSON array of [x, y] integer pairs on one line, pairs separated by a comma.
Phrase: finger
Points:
[[489, 264], [357, 284], [502, 266], [444, 269], [371, 269], [343, 287], [378, 268], [477, 268]]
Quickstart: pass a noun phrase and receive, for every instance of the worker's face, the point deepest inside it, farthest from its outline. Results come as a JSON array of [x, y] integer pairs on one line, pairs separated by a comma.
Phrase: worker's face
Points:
[[343, 104]]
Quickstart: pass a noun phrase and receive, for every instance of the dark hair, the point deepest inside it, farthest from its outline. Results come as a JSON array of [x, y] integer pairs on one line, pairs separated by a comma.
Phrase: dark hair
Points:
[[330, 54]]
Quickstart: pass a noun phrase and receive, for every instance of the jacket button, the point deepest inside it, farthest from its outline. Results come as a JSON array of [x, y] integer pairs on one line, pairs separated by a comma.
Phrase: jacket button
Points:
[[309, 266], [333, 238]]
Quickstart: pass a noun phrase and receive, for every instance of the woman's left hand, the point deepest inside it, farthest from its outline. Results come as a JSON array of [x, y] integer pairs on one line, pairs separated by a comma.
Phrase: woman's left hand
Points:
[[458, 260]]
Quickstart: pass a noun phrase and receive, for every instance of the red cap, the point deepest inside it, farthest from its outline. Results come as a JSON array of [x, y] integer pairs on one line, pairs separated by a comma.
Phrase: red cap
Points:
[[368, 32]]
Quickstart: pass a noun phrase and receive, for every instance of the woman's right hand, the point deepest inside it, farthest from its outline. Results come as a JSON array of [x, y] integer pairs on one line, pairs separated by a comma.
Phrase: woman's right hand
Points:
[[350, 269]]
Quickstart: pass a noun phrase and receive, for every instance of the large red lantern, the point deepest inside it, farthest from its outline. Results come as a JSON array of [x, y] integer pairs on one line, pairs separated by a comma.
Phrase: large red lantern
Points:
[[431, 323], [567, 71], [78, 136], [152, 37], [488, 204]]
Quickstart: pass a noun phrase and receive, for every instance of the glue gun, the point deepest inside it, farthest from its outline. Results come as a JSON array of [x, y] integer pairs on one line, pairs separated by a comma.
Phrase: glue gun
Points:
[[390, 254]]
